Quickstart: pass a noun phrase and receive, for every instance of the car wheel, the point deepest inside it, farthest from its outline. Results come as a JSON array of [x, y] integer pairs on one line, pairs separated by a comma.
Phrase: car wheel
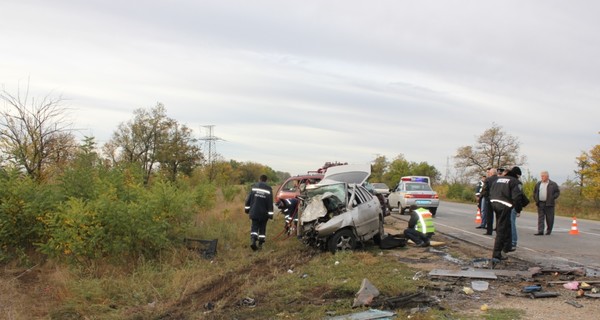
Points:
[[433, 211], [379, 236], [400, 209], [342, 240]]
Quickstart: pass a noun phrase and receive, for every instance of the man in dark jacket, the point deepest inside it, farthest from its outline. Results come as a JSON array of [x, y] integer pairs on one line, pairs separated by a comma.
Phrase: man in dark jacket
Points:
[[505, 194], [545, 194], [259, 206]]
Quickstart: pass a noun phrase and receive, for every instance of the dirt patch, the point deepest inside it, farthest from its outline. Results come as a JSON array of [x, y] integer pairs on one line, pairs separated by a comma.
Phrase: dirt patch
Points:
[[224, 293]]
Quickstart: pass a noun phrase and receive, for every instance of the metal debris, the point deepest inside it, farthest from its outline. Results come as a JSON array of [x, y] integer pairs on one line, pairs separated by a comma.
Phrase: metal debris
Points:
[[477, 274], [366, 315]]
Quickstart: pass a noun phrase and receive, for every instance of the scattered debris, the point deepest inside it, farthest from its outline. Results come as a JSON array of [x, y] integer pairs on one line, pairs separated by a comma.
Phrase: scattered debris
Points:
[[248, 302], [290, 271], [573, 285], [206, 248], [209, 306], [484, 307], [574, 304], [534, 288], [592, 295], [336, 263], [578, 271], [365, 295], [366, 315], [417, 299], [392, 241], [417, 275], [468, 291], [477, 274], [480, 285], [537, 295]]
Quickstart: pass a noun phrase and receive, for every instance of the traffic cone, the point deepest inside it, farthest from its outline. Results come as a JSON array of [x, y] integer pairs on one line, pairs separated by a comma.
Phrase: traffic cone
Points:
[[574, 230], [478, 217]]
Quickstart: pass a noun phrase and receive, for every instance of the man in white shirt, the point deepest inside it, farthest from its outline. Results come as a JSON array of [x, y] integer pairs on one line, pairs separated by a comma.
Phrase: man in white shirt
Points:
[[545, 194]]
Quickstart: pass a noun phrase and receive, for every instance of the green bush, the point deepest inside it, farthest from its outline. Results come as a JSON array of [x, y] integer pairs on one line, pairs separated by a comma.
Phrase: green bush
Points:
[[110, 227], [23, 203], [230, 192]]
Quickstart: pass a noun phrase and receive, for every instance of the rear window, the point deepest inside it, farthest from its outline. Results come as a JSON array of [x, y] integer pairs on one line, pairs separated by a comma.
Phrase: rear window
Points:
[[417, 187]]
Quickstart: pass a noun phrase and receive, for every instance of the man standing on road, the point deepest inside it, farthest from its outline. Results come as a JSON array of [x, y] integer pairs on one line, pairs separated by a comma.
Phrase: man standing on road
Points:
[[259, 206], [488, 211], [545, 194], [505, 194]]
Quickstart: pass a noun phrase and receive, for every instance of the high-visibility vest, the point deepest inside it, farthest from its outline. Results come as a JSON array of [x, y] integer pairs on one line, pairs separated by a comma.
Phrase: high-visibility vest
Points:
[[425, 224]]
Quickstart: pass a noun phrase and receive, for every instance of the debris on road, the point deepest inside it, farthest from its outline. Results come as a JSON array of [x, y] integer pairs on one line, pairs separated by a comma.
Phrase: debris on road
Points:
[[470, 273], [480, 285], [538, 295], [574, 304], [573, 285]]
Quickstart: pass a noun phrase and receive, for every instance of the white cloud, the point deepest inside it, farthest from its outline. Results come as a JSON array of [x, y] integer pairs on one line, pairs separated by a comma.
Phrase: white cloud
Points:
[[352, 79]]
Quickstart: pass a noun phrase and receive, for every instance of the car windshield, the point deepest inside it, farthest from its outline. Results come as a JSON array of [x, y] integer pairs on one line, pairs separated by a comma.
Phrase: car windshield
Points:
[[380, 186], [417, 187], [338, 189]]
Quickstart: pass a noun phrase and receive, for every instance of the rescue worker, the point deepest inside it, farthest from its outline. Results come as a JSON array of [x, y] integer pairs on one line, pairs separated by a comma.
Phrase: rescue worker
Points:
[[259, 206], [480, 201], [420, 226], [289, 208], [505, 194]]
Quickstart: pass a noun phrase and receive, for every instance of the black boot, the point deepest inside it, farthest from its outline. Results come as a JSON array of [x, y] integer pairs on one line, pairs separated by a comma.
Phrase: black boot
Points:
[[260, 244], [253, 244]]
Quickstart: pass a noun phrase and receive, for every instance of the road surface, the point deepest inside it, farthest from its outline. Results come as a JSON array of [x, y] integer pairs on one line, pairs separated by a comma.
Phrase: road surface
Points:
[[559, 249]]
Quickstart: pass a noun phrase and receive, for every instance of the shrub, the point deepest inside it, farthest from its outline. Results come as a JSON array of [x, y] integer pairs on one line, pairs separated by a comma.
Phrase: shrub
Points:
[[23, 203]]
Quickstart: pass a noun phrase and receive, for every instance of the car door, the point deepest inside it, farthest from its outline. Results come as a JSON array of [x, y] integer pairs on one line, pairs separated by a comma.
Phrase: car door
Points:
[[366, 211]]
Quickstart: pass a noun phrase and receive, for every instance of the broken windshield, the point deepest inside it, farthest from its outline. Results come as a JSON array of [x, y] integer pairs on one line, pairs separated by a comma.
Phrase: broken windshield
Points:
[[338, 190]]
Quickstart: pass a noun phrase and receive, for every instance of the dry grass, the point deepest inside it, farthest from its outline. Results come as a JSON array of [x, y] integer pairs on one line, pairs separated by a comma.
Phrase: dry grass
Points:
[[181, 283]]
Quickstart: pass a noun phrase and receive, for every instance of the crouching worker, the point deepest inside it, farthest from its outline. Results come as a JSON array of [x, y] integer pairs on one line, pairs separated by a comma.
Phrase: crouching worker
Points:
[[420, 226], [289, 208], [259, 206]]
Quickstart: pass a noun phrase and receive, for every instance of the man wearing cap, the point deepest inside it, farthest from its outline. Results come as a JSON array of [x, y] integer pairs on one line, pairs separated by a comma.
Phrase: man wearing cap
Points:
[[505, 194], [545, 194]]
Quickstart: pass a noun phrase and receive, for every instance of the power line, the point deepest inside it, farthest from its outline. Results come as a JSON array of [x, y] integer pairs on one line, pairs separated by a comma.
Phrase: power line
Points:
[[210, 144]]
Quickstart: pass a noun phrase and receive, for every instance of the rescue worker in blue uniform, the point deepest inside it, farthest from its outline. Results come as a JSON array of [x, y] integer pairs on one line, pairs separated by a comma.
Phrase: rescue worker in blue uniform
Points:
[[259, 207], [505, 194], [289, 208], [420, 226]]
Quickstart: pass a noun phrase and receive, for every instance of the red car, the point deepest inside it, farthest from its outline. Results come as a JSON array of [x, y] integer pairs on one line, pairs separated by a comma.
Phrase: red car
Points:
[[291, 187]]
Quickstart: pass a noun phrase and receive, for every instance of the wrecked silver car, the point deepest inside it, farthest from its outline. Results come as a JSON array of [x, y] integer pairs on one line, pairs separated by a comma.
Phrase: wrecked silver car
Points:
[[338, 212]]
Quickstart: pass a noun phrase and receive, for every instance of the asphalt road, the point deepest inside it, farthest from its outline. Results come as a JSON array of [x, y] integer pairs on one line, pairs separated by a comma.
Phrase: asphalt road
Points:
[[558, 249]]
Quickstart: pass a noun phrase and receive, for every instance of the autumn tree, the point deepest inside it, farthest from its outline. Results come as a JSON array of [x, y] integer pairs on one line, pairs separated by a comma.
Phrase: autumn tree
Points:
[[379, 167], [494, 148], [400, 167], [152, 140], [591, 171], [34, 133]]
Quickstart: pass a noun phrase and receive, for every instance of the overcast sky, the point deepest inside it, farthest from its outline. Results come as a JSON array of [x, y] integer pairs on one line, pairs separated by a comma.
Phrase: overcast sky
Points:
[[293, 84]]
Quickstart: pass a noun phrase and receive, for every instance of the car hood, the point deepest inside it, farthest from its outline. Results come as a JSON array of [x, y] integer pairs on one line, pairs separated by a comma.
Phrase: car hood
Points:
[[350, 173]]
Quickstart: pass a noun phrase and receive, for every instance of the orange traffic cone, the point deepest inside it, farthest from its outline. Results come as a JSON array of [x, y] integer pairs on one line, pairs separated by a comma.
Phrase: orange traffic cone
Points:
[[478, 217], [574, 230]]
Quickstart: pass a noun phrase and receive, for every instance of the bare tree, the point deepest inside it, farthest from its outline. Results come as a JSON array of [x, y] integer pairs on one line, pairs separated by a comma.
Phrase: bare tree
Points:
[[494, 148], [34, 134]]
